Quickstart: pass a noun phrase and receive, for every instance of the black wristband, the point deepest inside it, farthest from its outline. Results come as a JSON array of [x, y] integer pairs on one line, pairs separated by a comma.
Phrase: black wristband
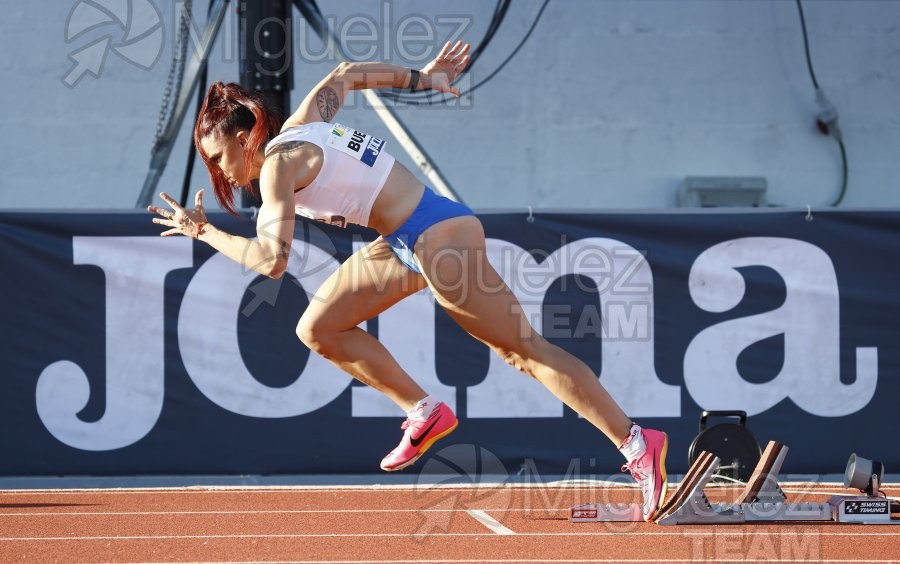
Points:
[[413, 79]]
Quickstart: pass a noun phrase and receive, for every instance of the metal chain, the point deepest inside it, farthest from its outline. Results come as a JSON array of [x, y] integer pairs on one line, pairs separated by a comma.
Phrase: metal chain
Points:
[[176, 72]]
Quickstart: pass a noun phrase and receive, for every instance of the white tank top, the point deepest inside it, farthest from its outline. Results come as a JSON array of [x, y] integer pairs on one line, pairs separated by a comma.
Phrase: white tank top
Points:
[[354, 170]]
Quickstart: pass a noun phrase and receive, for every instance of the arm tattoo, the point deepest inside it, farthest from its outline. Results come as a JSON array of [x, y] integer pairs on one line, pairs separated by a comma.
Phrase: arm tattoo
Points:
[[284, 252], [327, 100]]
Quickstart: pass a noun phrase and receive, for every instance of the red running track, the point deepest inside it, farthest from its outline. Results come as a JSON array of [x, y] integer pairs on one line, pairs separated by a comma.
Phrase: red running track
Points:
[[408, 524]]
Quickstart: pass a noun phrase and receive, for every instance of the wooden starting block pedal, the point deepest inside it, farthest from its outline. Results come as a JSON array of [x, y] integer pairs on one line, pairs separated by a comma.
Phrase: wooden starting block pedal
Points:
[[762, 499]]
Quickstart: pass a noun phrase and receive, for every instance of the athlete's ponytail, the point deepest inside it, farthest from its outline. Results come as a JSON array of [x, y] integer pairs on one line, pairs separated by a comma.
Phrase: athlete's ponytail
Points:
[[227, 109]]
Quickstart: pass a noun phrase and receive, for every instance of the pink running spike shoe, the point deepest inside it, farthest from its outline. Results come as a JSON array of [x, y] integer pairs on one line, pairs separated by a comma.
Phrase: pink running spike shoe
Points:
[[418, 437], [650, 471]]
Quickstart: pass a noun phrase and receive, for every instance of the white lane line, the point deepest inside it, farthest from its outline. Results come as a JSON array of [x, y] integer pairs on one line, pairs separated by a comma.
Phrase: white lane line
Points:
[[598, 560], [601, 561], [642, 534], [263, 512], [378, 488], [489, 522]]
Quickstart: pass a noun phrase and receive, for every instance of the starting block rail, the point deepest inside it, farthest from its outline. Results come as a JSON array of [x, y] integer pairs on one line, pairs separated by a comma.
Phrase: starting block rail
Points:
[[761, 500]]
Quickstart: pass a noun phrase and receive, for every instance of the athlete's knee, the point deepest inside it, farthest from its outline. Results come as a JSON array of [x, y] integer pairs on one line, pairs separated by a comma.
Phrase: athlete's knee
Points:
[[315, 335]]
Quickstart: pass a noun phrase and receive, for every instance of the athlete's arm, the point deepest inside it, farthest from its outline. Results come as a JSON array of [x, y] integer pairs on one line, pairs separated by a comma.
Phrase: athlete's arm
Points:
[[324, 101], [268, 253]]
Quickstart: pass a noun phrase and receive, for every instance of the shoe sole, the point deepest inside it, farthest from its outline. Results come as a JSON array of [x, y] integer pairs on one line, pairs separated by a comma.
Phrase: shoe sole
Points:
[[425, 446], [665, 483]]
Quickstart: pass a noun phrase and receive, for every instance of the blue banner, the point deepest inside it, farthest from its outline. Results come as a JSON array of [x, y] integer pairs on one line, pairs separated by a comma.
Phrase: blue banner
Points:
[[126, 353]]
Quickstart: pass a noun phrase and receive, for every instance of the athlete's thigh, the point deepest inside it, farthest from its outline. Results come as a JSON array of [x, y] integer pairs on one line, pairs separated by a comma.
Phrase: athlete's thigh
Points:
[[370, 281], [454, 262]]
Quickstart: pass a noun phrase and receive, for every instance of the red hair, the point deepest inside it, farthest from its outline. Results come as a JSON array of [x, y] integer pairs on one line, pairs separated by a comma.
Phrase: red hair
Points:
[[227, 109]]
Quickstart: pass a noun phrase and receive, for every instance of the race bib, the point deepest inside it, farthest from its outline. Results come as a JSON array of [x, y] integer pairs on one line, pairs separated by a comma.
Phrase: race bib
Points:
[[361, 146]]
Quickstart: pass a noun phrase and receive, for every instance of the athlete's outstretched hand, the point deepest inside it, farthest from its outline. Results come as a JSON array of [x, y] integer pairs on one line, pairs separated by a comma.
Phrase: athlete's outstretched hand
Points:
[[440, 73], [181, 221]]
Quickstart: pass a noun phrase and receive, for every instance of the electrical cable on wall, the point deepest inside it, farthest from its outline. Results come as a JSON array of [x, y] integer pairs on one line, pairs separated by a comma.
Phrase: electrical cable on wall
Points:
[[515, 51], [165, 141], [499, 14], [176, 73], [826, 119], [425, 97], [172, 90], [177, 69]]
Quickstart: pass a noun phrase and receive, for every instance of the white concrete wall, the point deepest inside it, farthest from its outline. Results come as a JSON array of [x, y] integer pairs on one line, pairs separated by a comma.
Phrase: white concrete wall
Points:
[[609, 105]]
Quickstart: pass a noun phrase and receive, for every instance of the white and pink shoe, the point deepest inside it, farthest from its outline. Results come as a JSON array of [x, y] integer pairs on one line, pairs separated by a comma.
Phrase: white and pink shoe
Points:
[[418, 437], [649, 470]]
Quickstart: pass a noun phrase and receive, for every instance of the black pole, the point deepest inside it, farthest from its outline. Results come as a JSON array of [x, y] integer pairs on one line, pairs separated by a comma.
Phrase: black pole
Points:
[[266, 64]]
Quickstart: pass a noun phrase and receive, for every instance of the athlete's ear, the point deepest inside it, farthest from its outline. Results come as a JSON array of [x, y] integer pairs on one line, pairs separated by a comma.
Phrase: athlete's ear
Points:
[[242, 136]]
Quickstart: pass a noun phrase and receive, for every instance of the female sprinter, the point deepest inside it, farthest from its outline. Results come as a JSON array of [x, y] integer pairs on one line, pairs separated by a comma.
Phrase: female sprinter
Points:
[[331, 172]]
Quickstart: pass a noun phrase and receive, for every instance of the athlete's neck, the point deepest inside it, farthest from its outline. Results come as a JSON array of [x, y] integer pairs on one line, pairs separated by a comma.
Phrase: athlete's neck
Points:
[[258, 161]]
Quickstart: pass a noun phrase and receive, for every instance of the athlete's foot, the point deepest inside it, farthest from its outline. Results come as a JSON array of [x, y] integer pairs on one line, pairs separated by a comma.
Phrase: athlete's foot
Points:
[[650, 471], [418, 436]]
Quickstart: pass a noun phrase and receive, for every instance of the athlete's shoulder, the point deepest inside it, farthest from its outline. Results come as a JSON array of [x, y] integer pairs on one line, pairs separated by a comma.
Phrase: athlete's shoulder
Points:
[[292, 138], [294, 126]]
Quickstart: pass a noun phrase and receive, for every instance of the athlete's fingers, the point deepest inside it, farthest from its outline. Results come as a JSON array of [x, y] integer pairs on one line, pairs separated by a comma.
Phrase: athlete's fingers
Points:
[[168, 199], [170, 232], [163, 212], [166, 222], [198, 199], [461, 66], [444, 50], [462, 52], [450, 53]]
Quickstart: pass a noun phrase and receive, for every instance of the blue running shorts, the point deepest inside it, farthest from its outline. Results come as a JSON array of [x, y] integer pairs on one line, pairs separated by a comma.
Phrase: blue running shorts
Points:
[[433, 208]]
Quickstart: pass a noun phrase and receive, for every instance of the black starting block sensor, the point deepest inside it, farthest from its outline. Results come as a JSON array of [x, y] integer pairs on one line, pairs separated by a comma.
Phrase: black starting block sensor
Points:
[[733, 443]]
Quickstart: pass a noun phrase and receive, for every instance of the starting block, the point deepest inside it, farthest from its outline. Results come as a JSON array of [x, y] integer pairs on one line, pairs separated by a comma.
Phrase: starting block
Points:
[[762, 500]]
